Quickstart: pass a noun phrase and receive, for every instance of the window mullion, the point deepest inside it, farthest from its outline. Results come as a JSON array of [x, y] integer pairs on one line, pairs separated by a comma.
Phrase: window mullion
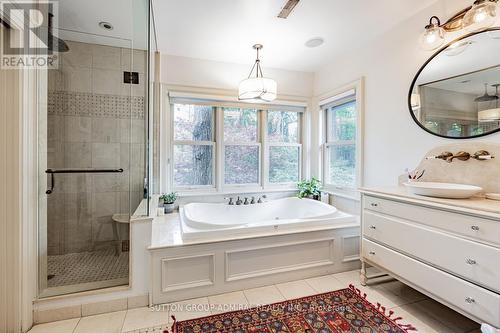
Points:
[[264, 170], [220, 165]]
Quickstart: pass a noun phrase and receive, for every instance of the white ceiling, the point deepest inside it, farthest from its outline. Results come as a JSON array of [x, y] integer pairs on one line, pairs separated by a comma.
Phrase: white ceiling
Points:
[[78, 20], [225, 30]]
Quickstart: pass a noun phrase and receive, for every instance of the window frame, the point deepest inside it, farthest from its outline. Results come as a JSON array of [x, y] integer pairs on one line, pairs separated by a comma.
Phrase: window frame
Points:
[[269, 144], [175, 143], [257, 143], [218, 165], [341, 96]]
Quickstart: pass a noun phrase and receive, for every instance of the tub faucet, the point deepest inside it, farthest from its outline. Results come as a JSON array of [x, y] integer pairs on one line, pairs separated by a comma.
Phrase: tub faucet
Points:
[[238, 202], [231, 202]]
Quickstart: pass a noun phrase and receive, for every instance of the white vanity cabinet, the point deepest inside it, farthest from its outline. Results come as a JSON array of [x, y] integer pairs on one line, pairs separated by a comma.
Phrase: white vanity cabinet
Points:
[[449, 250]]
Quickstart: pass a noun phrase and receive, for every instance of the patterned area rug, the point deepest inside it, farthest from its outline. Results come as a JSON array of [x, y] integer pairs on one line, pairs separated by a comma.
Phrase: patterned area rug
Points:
[[340, 311], [84, 267]]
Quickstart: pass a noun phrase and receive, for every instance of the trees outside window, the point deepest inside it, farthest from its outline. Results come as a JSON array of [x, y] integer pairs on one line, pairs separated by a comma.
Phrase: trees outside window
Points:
[[193, 151], [221, 147], [340, 146]]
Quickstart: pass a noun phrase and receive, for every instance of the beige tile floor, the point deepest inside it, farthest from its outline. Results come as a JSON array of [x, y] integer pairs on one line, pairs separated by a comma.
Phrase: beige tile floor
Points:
[[425, 314]]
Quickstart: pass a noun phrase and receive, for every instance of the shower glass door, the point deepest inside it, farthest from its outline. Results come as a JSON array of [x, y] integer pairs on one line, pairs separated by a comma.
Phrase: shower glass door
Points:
[[92, 152]]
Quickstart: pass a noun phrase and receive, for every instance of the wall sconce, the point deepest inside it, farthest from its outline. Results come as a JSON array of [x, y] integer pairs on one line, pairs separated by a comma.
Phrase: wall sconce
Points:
[[433, 36], [481, 15]]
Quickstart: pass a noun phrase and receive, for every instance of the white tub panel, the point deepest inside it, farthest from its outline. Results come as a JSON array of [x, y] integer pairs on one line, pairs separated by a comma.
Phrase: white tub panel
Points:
[[187, 272], [262, 261]]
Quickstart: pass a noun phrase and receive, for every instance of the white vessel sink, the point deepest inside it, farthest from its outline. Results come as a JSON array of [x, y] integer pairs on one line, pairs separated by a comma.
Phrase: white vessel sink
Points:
[[443, 190]]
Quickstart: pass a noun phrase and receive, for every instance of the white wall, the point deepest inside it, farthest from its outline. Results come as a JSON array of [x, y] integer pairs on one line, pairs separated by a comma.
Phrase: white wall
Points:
[[392, 140], [218, 75]]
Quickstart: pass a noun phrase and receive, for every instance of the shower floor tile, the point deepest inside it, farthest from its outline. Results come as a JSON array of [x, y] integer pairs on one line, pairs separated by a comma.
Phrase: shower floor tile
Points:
[[86, 267]]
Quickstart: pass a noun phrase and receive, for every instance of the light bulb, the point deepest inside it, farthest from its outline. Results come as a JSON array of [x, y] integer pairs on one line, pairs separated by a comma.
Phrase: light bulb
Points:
[[482, 15], [433, 36]]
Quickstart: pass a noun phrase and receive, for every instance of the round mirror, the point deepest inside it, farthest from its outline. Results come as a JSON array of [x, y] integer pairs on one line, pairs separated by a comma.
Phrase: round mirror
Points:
[[456, 93]]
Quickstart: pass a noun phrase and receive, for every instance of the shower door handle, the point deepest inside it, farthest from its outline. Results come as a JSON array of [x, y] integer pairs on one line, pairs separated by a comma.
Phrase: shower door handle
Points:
[[51, 172]]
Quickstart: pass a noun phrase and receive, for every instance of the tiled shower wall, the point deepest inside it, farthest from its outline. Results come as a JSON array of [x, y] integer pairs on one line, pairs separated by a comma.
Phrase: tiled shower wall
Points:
[[94, 121]]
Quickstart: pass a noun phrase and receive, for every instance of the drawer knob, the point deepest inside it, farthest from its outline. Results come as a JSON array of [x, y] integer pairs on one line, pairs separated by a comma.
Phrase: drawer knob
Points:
[[475, 228], [471, 261], [470, 300], [372, 253], [373, 227], [373, 204]]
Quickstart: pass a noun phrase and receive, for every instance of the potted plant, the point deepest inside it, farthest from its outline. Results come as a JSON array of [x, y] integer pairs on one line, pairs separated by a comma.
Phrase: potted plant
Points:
[[169, 201], [309, 189]]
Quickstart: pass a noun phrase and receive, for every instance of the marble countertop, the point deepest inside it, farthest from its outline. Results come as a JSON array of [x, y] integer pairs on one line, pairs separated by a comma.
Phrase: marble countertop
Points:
[[166, 232], [475, 205]]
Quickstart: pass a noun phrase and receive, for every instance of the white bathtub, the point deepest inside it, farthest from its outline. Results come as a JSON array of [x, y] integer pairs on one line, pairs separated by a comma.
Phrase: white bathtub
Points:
[[208, 220]]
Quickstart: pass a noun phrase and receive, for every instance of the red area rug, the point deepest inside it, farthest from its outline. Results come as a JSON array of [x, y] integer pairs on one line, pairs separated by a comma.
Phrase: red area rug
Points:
[[340, 311]]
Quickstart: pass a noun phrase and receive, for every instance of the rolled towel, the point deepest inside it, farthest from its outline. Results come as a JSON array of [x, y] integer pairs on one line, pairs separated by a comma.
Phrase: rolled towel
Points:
[[485, 328]]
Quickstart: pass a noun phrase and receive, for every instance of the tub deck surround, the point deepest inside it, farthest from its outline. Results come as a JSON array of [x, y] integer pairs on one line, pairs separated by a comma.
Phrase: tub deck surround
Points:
[[226, 262], [448, 249]]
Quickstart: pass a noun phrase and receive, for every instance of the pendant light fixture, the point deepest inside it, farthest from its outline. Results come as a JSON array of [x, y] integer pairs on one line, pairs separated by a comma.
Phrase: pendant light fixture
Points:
[[433, 36], [257, 89], [481, 15], [486, 97], [491, 114]]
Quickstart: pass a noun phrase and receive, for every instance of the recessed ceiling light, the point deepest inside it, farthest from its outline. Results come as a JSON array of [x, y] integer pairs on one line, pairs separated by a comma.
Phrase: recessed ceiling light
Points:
[[106, 25], [315, 42]]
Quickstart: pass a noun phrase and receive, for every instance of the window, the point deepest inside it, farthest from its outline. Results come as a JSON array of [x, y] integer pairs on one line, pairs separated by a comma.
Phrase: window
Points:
[[241, 146], [284, 147], [224, 146], [341, 143], [193, 145]]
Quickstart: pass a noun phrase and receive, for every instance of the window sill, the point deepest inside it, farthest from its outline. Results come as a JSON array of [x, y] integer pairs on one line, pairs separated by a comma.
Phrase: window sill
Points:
[[351, 195], [235, 191]]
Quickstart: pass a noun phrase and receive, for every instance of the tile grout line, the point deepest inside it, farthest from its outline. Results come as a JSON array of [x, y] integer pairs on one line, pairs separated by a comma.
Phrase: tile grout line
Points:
[[276, 286], [315, 290], [78, 323], [124, 318]]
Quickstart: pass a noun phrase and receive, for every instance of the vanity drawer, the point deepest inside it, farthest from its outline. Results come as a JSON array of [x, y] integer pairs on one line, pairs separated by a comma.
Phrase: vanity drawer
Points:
[[478, 302], [474, 261], [470, 226]]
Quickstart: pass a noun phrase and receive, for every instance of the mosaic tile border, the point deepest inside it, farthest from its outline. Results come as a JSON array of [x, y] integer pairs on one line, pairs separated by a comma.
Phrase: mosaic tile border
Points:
[[95, 105]]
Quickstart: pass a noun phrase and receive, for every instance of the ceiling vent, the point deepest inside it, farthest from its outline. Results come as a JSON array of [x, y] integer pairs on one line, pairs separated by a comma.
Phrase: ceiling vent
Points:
[[288, 8]]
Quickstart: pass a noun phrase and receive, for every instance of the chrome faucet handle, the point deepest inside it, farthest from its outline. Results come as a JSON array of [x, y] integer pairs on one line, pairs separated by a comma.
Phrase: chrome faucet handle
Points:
[[252, 202], [260, 198], [231, 203], [246, 201], [238, 202]]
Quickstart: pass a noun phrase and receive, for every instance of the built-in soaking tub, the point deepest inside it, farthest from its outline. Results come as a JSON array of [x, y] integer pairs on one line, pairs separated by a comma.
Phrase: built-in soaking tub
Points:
[[208, 220]]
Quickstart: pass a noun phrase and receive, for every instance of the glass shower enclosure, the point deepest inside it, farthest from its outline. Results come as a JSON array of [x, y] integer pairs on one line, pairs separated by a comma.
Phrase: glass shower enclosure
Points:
[[93, 165]]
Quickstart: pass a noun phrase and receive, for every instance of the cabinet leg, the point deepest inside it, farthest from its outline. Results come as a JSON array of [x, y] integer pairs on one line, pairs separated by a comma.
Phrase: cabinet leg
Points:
[[362, 274]]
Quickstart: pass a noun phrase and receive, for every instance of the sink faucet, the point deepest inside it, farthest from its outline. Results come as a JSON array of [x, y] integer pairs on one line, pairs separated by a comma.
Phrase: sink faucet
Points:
[[461, 155], [239, 202], [443, 156]]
